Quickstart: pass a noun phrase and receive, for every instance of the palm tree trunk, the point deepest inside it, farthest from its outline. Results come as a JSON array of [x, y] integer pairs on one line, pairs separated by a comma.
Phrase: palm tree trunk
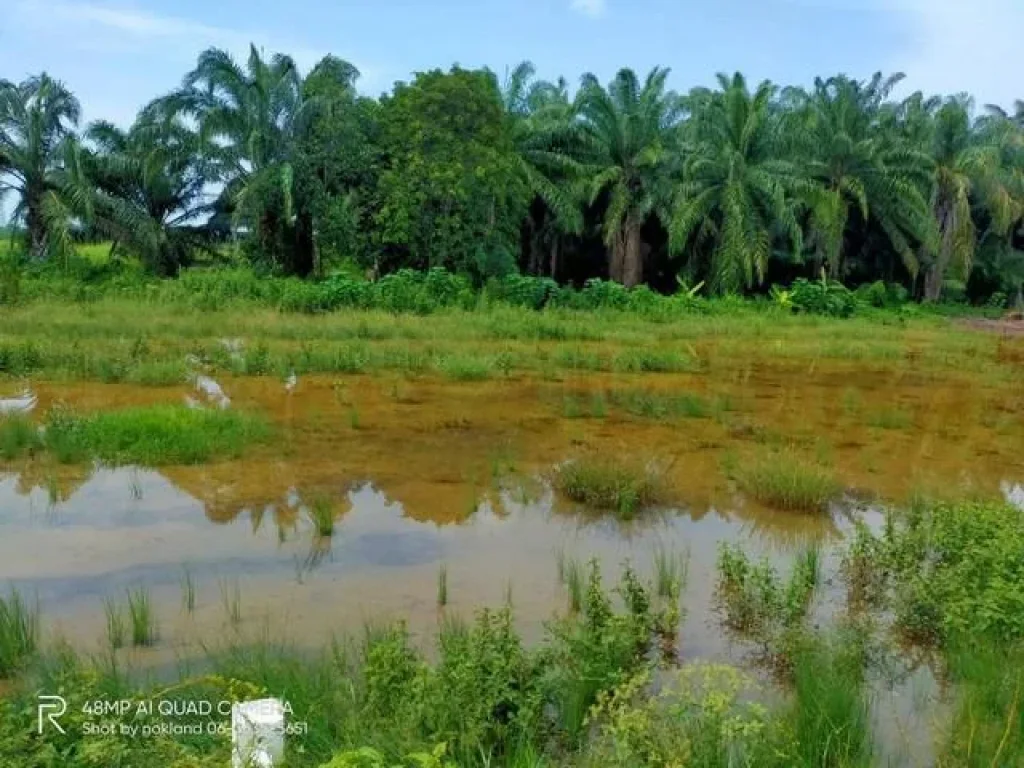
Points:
[[617, 258], [554, 258], [936, 270], [35, 227], [633, 265]]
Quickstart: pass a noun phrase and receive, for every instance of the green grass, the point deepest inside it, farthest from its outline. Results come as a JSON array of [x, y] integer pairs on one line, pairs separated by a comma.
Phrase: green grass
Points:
[[188, 592], [117, 628], [19, 633], [147, 436], [141, 618], [890, 418], [622, 486], [650, 404], [19, 437], [571, 575], [231, 597], [787, 482], [670, 572], [442, 586]]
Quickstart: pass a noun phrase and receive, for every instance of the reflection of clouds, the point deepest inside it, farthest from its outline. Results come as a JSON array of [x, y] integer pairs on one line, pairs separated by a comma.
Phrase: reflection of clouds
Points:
[[1013, 493]]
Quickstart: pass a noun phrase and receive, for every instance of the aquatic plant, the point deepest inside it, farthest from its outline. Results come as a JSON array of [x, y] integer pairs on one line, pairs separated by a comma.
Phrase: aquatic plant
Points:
[[188, 592], [141, 617], [231, 597], [117, 628], [442, 586], [785, 481], [670, 572], [622, 486]]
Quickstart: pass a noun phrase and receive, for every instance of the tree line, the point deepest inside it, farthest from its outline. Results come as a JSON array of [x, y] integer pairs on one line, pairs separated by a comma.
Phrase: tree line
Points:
[[732, 187]]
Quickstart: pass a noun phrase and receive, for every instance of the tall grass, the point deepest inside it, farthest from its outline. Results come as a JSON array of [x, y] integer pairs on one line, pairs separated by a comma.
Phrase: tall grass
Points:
[[19, 632], [442, 586], [141, 617], [623, 486], [786, 482], [18, 437], [231, 597], [670, 572], [117, 628], [188, 592]]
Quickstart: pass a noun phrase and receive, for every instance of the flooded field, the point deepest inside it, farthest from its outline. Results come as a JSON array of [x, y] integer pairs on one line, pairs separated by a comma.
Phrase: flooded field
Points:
[[421, 495], [420, 473]]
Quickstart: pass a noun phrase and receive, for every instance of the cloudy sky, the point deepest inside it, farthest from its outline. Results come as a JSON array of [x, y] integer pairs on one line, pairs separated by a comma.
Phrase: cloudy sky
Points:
[[117, 54]]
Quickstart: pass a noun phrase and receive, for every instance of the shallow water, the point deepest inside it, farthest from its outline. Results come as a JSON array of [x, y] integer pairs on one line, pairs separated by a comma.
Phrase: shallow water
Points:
[[423, 472]]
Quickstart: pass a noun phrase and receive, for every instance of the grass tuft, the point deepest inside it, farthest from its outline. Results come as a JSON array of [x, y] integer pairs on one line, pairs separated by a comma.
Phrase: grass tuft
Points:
[[117, 629], [19, 437], [786, 482], [442, 585], [321, 512], [623, 487], [140, 615]]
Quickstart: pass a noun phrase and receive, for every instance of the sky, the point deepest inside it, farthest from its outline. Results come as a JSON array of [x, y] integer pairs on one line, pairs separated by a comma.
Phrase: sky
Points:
[[116, 55]]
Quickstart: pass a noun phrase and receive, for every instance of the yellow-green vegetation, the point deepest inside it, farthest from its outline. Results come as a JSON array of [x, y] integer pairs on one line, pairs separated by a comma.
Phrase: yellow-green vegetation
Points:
[[622, 485], [785, 481], [147, 436]]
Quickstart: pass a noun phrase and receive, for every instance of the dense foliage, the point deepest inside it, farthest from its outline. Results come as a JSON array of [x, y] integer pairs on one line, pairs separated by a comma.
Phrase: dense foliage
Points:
[[731, 188]]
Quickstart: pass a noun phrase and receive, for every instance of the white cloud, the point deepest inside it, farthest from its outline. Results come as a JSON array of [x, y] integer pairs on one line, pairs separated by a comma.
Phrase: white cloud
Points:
[[592, 8]]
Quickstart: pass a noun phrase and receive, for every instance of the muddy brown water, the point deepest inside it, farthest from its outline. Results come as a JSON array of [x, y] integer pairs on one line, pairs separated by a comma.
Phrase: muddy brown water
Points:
[[423, 472]]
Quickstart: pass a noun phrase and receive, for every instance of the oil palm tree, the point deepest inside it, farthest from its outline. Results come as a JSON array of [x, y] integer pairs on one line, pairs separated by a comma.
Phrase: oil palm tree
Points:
[[249, 121], [967, 173], [151, 180], [545, 138], [861, 167], [629, 135], [737, 190], [41, 162]]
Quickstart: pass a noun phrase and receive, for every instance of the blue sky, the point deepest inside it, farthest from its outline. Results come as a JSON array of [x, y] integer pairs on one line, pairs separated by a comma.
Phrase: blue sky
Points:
[[116, 55]]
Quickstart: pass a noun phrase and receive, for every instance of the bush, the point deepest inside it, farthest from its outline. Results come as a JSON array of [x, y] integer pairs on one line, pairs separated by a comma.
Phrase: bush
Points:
[[883, 295], [822, 297]]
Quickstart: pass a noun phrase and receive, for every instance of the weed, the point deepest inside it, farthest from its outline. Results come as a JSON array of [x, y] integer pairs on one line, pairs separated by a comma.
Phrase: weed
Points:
[[117, 629], [188, 592], [571, 575], [670, 570], [890, 418], [623, 487], [787, 482], [19, 437], [442, 585], [19, 632], [231, 597], [353, 417], [140, 615]]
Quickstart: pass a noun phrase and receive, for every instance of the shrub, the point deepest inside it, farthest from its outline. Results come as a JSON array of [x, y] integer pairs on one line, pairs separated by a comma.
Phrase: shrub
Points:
[[822, 297]]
